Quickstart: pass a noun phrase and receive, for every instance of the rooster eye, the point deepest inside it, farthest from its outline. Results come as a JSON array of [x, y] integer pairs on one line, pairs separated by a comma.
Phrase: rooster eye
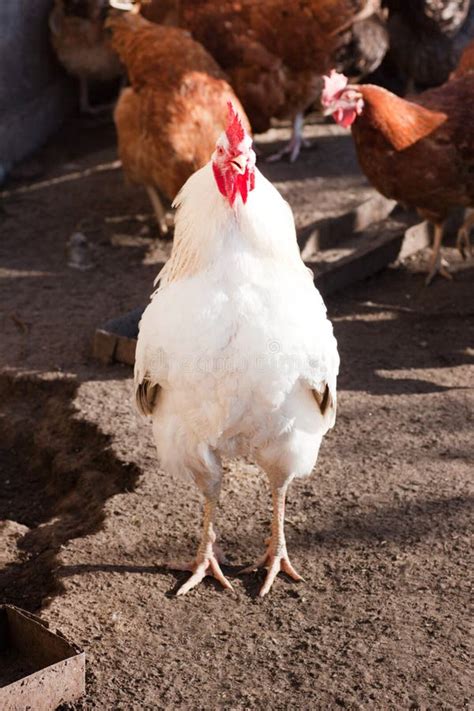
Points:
[[220, 150]]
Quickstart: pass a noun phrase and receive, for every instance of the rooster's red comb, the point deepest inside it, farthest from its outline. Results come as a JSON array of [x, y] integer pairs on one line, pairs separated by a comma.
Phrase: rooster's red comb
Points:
[[234, 131]]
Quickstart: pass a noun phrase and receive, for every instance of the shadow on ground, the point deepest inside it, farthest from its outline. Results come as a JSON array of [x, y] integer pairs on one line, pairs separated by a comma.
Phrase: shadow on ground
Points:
[[56, 473], [421, 334]]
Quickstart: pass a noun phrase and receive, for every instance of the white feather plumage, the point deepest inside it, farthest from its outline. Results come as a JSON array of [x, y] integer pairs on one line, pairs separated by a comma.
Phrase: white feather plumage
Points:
[[237, 338]]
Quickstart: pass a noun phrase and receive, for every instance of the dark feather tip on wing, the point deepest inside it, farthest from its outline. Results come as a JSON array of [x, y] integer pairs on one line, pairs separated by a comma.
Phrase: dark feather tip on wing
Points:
[[146, 396], [324, 399]]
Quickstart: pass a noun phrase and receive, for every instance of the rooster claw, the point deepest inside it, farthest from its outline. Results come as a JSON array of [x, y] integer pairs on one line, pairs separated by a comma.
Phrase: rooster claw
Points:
[[200, 568], [275, 563], [208, 563]]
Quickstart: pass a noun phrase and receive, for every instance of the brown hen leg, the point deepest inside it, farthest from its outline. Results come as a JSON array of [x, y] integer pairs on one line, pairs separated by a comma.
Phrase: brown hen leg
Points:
[[294, 145], [276, 557], [160, 211], [208, 555], [463, 242], [436, 265]]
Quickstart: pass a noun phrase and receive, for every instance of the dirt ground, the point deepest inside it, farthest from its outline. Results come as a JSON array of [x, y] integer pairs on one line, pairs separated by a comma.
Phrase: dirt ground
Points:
[[381, 531]]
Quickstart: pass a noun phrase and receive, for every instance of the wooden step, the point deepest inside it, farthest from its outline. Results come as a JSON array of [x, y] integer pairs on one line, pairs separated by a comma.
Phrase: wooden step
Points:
[[366, 253]]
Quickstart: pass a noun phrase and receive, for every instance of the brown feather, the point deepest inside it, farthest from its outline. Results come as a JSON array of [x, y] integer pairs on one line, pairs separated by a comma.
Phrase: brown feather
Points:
[[80, 42], [420, 152], [169, 119], [273, 51], [402, 122], [466, 63]]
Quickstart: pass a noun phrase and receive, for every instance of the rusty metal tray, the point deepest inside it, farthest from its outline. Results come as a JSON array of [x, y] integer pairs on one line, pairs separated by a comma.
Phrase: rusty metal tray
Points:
[[39, 669]]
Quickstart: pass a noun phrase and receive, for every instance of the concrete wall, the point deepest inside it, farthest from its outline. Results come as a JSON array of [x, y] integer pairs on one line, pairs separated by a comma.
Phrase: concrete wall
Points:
[[34, 92]]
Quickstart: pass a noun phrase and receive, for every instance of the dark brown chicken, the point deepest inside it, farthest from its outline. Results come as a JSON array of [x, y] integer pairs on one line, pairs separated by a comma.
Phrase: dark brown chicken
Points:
[[169, 119], [362, 47], [423, 43], [419, 152]]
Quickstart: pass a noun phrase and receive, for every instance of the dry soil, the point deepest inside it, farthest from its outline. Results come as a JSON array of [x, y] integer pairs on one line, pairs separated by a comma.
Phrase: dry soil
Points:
[[381, 531]]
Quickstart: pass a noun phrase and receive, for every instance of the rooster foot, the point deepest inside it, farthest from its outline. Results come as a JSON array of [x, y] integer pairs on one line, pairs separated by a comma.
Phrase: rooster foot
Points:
[[275, 562], [204, 564], [440, 268]]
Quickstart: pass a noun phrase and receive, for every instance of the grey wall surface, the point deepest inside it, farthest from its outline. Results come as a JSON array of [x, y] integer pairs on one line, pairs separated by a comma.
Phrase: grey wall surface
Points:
[[34, 93]]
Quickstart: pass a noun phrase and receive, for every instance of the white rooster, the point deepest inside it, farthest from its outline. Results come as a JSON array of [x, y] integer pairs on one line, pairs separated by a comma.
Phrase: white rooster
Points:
[[235, 354]]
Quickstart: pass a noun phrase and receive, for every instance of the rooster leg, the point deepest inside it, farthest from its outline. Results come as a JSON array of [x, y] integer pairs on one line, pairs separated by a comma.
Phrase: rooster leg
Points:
[[160, 211], [463, 242], [436, 265], [295, 143], [276, 558], [208, 555]]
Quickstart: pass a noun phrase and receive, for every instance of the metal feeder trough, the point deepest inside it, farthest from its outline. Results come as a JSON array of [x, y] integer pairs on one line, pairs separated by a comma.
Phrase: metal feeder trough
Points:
[[39, 669]]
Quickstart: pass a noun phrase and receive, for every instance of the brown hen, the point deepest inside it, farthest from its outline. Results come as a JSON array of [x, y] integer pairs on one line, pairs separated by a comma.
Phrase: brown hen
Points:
[[273, 51], [80, 43], [418, 152], [169, 119]]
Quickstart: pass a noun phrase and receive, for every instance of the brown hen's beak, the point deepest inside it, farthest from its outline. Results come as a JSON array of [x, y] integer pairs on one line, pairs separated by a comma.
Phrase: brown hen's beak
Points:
[[123, 5], [239, 163]]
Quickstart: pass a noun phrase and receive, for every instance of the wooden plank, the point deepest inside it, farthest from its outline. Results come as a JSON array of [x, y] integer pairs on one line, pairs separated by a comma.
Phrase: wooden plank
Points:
[[360, 257], [376, 248], [333, 231], [116, 340]]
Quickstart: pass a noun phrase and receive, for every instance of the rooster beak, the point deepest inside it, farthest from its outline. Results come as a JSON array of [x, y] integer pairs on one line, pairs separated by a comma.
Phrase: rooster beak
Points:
[[239, 163]]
